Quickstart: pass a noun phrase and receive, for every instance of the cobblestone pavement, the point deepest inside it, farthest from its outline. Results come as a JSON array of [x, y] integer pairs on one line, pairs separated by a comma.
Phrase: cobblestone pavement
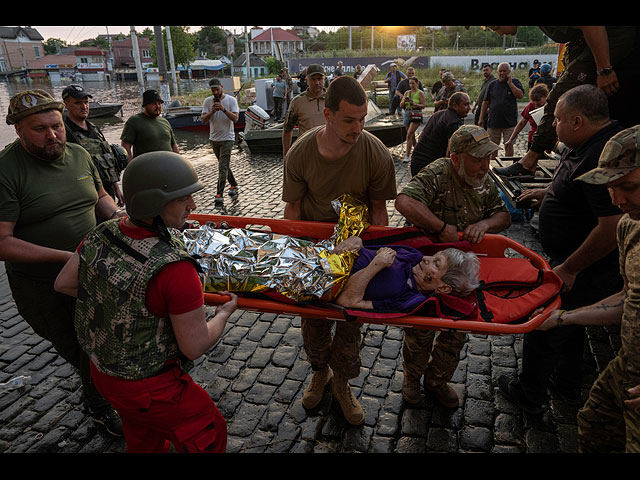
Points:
[[257, 372]]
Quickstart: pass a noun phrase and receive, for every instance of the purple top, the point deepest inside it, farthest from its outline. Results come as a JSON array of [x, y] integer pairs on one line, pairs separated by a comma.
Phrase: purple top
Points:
[[392, 288]]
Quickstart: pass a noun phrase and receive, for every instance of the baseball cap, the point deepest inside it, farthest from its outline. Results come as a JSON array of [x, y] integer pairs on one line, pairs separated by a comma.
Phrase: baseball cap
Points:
[[75, 91], [473, 140], [215, 82], [29, 102], [619, 157], [315, 69], [448, 76]]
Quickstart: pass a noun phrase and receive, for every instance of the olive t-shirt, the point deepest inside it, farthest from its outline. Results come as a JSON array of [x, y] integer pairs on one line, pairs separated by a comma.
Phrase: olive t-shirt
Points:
[[366, 172], [148, 134], [51, 204]]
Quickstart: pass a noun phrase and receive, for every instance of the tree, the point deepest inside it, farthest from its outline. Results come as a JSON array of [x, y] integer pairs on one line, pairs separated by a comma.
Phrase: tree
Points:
[[53, 45], [182, 41], [210, 41]]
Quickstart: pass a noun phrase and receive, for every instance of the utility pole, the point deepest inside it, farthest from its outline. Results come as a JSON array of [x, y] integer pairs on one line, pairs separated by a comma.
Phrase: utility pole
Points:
[[172, 62], [136, 56], [247, 54], [162, 63]]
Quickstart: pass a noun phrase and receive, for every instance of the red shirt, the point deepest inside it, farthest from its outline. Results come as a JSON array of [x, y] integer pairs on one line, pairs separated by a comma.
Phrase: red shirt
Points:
[[174, 290]]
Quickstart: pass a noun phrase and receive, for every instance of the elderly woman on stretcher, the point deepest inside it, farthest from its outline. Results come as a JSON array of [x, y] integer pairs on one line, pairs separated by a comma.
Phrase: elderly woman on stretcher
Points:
[[398, 278]]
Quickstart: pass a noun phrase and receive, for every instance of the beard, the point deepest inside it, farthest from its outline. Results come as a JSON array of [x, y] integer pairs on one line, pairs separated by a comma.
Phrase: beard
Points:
[[49, 153], [471, 181]]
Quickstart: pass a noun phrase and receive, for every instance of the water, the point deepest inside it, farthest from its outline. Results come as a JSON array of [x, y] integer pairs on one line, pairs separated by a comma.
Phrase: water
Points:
[[193, 145]]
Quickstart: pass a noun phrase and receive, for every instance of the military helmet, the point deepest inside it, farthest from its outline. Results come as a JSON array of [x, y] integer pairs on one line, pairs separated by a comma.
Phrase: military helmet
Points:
[[153, 179]]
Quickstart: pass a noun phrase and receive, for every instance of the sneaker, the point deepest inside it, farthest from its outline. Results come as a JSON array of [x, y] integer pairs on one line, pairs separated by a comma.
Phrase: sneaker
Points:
[[108, 418], [513, 391], [218, 200], [313, 393], [233, 191], [406, 159], [515, 170], [445, 394], [411, 389], [351, 408]]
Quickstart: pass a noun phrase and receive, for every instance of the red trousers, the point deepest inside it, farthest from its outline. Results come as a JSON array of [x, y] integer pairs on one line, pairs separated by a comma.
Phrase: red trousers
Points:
[[164, 409]]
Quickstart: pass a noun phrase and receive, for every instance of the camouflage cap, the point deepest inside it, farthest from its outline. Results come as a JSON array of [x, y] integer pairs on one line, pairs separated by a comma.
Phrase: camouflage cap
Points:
[[29, 102], [473, 140], [448, 76], [619, 157]]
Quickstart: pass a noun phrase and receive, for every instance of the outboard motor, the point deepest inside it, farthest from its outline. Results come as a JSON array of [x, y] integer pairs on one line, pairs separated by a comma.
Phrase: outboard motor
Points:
[[255, 118]]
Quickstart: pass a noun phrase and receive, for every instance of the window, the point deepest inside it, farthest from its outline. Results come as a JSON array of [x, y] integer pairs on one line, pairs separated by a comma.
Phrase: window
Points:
[[37, 50]]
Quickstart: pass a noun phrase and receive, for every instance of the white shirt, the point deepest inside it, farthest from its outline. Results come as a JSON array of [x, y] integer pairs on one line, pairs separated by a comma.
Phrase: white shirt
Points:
[[220, 127]]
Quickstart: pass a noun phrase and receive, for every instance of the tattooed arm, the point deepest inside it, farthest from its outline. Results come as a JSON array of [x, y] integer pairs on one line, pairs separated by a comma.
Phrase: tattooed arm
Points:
[[604, 312]]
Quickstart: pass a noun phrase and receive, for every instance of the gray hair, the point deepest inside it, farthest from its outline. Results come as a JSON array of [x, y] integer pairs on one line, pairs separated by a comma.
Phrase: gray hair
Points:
[[462, 273]]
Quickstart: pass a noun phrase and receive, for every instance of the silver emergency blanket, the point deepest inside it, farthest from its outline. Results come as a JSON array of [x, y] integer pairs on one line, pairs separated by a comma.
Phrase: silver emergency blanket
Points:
[[241, 260]]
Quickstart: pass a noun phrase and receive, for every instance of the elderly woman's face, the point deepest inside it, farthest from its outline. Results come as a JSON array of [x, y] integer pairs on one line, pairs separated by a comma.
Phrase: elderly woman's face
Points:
[[429, 272]]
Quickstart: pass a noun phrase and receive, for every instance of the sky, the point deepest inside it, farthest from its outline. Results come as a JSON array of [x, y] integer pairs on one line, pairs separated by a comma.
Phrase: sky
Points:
[[73, 35]]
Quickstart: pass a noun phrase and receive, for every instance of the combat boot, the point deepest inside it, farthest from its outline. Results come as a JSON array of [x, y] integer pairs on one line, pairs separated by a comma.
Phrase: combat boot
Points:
[[445, 394], [351, 408], [313, 393], [411, 389]]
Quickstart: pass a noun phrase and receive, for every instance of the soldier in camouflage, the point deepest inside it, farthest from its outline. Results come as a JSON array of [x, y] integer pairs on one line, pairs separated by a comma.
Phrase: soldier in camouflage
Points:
[[140, 312], [81, 131], [448, 196], [610, 419]]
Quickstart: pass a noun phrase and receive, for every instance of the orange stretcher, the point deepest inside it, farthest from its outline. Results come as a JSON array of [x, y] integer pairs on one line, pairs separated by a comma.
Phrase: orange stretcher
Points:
[[493, 246]]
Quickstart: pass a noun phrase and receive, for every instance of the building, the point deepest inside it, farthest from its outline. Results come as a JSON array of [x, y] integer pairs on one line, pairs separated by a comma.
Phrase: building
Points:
[[256, 64], [92, 63], [58, 67], [276, 42], [19, 46], [123, 53]]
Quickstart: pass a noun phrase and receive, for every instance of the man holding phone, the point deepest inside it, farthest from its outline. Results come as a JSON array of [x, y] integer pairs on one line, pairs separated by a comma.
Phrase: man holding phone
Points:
[[221, 111]]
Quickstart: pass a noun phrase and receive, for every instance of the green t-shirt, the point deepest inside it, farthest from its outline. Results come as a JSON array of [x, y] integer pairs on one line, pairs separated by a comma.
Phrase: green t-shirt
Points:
[[51, 204], [148, 134]]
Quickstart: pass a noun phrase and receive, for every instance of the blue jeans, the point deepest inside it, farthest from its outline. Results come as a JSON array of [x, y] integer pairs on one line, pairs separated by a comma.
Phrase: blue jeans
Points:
[[222, 150]]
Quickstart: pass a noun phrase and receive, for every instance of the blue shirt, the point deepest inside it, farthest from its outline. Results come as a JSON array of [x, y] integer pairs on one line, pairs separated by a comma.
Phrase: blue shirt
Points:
[[279, 88]]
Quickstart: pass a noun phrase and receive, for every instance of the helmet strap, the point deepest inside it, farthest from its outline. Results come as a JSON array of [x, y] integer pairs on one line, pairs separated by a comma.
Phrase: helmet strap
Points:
[[158, 227]]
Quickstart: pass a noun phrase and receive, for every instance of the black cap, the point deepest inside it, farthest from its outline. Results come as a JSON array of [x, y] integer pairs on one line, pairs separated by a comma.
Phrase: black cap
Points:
[[75, 91], [214, 82], [151, 96]]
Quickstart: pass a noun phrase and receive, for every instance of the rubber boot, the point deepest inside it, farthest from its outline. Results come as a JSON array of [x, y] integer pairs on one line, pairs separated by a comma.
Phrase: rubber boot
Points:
[[351, 408], [313, 393]]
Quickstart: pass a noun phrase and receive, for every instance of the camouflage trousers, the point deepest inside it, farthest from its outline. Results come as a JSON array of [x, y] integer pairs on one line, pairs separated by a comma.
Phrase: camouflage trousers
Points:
[[341, 352], [605, 423], [438, 360]]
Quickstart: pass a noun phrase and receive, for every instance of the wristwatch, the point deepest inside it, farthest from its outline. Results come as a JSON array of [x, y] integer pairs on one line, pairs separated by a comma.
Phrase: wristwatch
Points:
[[605, 71], [116, 212]]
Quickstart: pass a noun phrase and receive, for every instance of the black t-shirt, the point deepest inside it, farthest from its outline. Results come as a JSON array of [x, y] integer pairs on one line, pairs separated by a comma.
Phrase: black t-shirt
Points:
[[503, 105], [570, 209], [433, 141]]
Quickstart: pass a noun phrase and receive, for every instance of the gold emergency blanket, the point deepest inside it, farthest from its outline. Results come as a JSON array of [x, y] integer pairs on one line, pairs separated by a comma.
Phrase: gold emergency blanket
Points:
[[241, 260]]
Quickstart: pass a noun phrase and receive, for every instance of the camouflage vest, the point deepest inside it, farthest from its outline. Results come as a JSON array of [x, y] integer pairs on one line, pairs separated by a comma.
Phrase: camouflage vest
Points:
[[100, 151], [120, 336]]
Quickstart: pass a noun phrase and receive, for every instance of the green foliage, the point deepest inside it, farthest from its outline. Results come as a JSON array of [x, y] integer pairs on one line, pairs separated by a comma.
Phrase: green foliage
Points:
[[182, 41], [273, 65]]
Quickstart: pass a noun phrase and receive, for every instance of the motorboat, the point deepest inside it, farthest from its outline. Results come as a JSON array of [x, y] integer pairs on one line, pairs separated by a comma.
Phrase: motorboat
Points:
[[98, 109], [265, 137]]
